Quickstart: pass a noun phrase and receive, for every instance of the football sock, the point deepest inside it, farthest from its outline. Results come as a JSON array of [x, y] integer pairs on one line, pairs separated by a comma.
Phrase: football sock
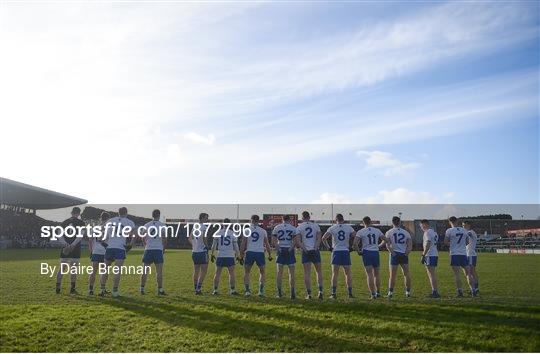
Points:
[[72, 285], [246, 286], [320, 288], [261, 288], [160, 289], [115, 289], [349, 289], [279, 291], [293, 293], [391, 290], [195, 285], [408, 290], [333, 290], [309, 291], [90, 287]]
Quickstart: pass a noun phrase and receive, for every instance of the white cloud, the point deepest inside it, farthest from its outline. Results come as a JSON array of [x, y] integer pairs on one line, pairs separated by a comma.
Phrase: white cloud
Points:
[[200, 139], [385, 162], [332, 198], [401, 196]]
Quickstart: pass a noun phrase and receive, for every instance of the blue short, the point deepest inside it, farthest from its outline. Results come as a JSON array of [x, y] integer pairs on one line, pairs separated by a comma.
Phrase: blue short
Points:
[[472, 260], [286, 256], [254, 257], [112, 254], [371, 259], [313, 256], [225, 261], [152, 256], [341, 258], [100, 258], [399, 258], [200, 257], [432, 261], [459, 260]]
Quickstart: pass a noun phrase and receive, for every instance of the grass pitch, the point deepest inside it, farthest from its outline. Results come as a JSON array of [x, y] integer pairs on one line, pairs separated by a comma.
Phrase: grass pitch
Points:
[[506, 317]]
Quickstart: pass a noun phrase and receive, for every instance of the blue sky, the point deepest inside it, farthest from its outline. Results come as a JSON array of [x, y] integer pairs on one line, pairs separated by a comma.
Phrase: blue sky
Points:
[[288, 102]]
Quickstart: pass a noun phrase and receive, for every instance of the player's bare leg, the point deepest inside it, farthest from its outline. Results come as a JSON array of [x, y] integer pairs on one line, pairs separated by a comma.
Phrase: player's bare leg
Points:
[[377, 277], [92, 278], [472, 270], [370, 280], [470, 279], [247, 275], [407, 276], [196, 272], [232, 280], [217, 276], [318, 269], [202, 275], [279, 279], [116, 279], [392, 280], [144, 277], [348, 280], [159, 278], [292, 281], [104, 277], [432, 276], [457, 279], [59, 276], [262, 280], [307, 279], [335, 275]]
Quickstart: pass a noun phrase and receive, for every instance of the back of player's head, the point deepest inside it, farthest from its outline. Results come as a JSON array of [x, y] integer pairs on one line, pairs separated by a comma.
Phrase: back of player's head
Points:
[[203, 216], [156, 214], [286, 218], [122, 211], [226, 221], [105, 216], [339, 217], [466, 223], [366, 220], [306, 215], [255, 219], [396, 220], [452, 219], [425, 222], [76, 211]]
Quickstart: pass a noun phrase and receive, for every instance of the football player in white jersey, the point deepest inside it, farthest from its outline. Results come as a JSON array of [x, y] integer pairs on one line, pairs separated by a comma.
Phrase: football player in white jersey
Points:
[[457, 238], [285, 241], [155, 240], [310, 241], [97, 253], [430, 256], [370, 238], [117, 246], [399, 244], [471, 254], [252, 251], [226, 244], [341, 235], [199, 253]]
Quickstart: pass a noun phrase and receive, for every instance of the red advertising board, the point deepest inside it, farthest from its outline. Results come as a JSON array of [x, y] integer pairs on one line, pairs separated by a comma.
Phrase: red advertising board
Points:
[[271, 220]]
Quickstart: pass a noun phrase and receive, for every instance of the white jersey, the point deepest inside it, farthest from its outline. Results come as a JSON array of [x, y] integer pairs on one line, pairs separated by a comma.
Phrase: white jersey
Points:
[[341, 234], [471, 246], [398, 239], [458, 240], [370, 237], [97, 247], [154, 231], [114, 231], [197, 243], [432, 237], [285, 233], [255, 241], [308, 231], [226, 243]]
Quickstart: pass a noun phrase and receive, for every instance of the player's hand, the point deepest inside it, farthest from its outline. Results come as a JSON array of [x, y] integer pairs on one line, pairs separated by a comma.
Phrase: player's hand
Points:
[[270, 257], [104, 244], [212, 258], [360, 252], [240, 260], [423, 260], [65, 250], [129, 247]]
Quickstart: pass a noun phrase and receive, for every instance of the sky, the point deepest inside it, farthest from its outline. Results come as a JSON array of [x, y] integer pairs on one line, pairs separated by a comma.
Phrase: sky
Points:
[[272, 102]]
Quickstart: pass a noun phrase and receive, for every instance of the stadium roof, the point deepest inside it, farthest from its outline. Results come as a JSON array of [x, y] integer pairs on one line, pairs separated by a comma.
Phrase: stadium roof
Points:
[[27, 196]]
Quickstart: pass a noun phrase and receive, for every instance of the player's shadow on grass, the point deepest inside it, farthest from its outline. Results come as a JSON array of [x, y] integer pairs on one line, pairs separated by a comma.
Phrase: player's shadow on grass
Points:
[[242, 325]]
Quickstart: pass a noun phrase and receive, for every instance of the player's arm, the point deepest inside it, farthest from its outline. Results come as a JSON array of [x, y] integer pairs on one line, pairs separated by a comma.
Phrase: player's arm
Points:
[[447, 238], [90, 245], [409, 245], [356, 242], [389, 245], [383, 238], [325, 238], [427, 246], [299, 242], [163, 240], [235, 247], [243, 245]]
